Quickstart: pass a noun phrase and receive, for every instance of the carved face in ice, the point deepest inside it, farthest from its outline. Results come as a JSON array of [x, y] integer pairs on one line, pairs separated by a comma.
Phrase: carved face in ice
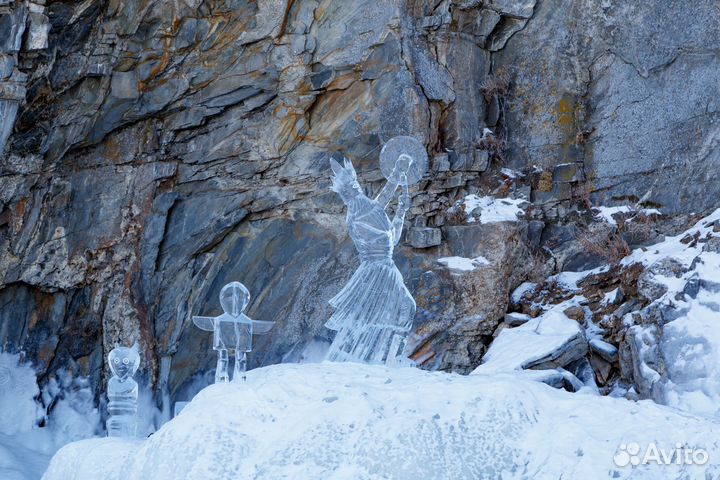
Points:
[[234, 297], [344, 181], [124, 361]]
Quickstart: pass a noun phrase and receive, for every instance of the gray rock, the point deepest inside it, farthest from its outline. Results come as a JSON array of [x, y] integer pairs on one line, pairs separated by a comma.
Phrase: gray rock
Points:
[[561, 379], [515, 319], [424, 237], [572, 350], [148, 157], [13, 27], [646, 363], [441, 163], [481, 159], [7, 63], [124, 85], [38, 29], [650, 284], [535, 229], [596, 107], [607, 351]]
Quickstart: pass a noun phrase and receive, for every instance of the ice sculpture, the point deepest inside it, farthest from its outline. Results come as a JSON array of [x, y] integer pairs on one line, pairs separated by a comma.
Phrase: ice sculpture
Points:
[[374, 311], [122, 391], [233, 330]]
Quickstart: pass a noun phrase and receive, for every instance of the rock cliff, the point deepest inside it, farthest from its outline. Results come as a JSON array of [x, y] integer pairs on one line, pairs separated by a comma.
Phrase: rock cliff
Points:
[[153, 151]]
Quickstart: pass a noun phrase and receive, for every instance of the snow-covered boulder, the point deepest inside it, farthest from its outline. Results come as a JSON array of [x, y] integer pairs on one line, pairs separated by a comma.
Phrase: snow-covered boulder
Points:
[[349, 421]]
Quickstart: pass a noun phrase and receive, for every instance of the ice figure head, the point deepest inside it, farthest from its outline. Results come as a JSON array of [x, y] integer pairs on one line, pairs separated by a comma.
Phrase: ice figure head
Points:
[[124, 361], [234, 297], [344, 180]]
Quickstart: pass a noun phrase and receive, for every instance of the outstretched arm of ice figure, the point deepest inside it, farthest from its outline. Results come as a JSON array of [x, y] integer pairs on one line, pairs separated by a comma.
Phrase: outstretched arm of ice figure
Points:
[[261, 327], [402, 164], [399, 217], [204, 323], [386, 194]]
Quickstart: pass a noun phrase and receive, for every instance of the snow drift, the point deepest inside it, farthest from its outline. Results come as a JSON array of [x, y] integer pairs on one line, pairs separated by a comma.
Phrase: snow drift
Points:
[[355, 421]]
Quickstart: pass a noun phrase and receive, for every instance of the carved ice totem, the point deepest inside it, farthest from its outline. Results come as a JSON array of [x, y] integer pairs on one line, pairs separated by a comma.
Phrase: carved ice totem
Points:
[[122, 391], [232, 331], [374, 311]]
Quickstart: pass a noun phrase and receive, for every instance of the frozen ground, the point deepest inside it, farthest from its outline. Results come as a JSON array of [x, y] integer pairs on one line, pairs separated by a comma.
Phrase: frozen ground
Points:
[[349, 421], [25, 448]]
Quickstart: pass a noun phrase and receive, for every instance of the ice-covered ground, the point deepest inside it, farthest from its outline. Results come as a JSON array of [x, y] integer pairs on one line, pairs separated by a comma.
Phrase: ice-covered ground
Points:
[[26, 448], [350, 421]]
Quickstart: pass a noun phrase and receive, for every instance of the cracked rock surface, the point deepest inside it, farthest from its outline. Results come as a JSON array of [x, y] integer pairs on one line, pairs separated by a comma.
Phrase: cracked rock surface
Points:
[[152, 152]]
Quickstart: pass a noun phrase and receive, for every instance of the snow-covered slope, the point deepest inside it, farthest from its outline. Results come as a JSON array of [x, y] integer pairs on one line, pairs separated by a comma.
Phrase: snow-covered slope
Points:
[[26, 448], [349, 421]]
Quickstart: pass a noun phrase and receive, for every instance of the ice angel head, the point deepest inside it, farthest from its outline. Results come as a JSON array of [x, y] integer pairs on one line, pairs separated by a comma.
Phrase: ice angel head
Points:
[[124, 361], [344, 180]]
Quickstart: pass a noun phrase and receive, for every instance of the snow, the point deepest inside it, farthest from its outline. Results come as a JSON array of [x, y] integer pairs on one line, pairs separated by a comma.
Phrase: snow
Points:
[[352, 421], [610, 297], [672, 247], [691, 346], [25, 448], [690, 341], [26, 455], [569, 280], [606, 350], [463, 264], [18, 410], [493, 209], [515, 347], [520, 291], [607, 213], [510, 173]]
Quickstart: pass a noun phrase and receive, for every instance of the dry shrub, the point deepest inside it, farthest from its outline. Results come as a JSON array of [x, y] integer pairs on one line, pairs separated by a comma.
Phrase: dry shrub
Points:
[[611, 248], [494, 144], [497, 85], [456, 215]]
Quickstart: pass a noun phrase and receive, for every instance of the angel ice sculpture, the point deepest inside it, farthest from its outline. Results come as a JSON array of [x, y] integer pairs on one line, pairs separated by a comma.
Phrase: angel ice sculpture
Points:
[[122, 391], [374, 311], [233, 330]]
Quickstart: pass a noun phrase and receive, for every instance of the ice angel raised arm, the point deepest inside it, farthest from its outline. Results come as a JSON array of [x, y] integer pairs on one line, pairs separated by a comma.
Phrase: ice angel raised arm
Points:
[[374, 311]]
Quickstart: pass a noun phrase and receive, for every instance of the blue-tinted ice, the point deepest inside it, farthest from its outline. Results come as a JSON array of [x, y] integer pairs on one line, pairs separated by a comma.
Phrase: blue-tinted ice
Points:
[[122, 392], [233, 330], [374, 311]]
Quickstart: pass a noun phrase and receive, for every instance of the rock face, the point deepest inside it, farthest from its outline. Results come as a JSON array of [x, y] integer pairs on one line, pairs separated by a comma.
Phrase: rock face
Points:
[[151, 153]]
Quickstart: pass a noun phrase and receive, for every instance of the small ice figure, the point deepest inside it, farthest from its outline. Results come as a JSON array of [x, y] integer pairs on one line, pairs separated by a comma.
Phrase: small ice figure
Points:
[[233, 330], [122, 391], [374, 311]]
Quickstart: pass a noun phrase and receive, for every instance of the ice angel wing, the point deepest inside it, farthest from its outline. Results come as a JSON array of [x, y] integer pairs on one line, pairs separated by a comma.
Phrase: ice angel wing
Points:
[[204, 323], [261, 327]]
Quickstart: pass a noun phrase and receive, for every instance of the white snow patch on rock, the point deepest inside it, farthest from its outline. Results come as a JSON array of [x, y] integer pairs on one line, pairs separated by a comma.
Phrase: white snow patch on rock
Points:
[[463, 264], [607, 213], [516, 347], [493, 209]]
